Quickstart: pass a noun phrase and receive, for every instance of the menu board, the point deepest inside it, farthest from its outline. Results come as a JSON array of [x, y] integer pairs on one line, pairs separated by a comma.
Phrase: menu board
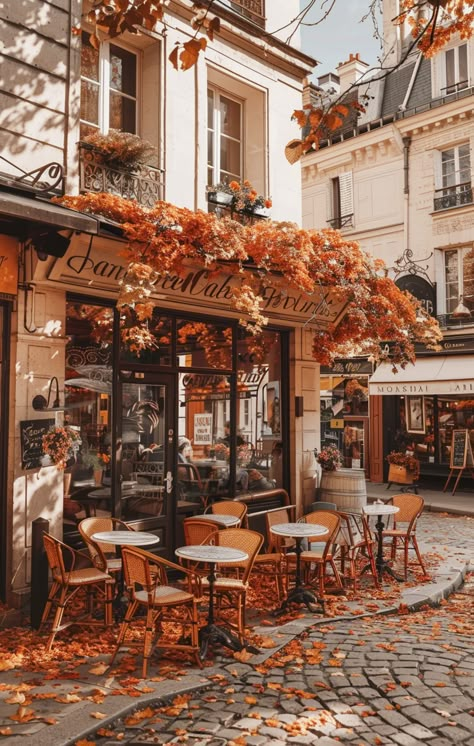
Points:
[[461, 452], [31, 436]]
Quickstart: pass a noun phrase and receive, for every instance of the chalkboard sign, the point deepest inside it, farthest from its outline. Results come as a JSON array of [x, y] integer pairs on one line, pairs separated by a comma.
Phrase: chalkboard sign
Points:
[[31, 435], [461, 452]]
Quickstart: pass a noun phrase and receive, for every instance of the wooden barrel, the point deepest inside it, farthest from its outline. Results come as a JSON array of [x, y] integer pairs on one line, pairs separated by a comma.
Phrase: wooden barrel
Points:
[[345, 487]]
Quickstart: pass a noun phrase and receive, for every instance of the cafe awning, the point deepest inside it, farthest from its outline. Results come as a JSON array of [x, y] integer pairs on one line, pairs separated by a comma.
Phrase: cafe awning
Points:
[[440, 374]]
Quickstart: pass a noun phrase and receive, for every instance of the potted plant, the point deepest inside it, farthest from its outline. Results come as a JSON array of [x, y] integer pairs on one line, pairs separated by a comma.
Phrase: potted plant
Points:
[[122, 150], [329, 458], [240, 197], [404, 468], [344, 487], [96, 461]]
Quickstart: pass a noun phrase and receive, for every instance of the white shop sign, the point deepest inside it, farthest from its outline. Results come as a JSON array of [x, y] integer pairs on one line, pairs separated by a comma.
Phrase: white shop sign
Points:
[[202, 429]]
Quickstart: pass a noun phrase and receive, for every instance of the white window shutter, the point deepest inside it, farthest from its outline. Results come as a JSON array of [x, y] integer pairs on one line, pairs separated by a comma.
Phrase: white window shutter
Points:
[[345, 194]]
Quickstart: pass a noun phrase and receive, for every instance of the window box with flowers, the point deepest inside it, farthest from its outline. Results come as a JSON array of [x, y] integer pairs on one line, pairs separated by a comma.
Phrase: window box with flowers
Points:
[[240, 198], [404, 468]]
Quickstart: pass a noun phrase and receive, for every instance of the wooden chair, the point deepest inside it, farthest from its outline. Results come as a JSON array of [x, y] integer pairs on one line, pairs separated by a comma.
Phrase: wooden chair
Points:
[[103, 555], [231, 507], [73, 571], [411, 507], [355, 542], [231, 584], [315, 559], [146, 578]]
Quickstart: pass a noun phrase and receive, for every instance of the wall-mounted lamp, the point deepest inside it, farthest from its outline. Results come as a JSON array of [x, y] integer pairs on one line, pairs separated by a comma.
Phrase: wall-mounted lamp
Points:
[[50, 243], [42, 405], [461, 311]]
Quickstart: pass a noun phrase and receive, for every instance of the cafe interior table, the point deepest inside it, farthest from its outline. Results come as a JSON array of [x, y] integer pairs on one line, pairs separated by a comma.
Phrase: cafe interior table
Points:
[[121, 539], [299, 531], [380, 510], [213, 633], [227, 521]]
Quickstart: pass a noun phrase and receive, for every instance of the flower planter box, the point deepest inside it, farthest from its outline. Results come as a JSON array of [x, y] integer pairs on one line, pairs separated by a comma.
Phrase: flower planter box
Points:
[[400, 475], [220, 198]]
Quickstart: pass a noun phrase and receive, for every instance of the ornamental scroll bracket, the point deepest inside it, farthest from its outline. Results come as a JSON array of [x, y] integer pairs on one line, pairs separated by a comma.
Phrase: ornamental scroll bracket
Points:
[[43, 179], [407, 265]]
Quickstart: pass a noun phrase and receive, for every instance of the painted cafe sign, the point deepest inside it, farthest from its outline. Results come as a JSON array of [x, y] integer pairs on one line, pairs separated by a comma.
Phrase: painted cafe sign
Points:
[[95, 268]]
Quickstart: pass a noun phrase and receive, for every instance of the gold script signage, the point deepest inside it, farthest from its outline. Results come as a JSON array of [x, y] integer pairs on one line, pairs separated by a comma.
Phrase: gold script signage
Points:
[[8, 265], [97, 268]]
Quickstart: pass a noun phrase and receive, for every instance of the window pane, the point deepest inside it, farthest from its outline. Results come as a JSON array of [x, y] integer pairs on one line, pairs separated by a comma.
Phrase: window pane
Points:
[[88, 397], [230, 117], [451, 280], [89, 59], [210, 148], [464, 163], [89, 102], [158, 329], [123, 71], [463, 73], [203, 460], [468, 279], [210, 108], [450, 71], [203, 345], [122, 113], [259, 413], [230, 156], [448, 167]]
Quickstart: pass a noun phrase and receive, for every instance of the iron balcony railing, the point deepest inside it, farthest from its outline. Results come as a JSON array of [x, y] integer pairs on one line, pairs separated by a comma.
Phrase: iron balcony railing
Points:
[[447, 321], [344, 221], [254, 10], [454, 196], [144, 183]]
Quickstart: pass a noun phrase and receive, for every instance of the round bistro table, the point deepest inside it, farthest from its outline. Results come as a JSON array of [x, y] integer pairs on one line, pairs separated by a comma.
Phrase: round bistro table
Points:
[[212, 555], [379, 510], [224, 520], [299, 531]]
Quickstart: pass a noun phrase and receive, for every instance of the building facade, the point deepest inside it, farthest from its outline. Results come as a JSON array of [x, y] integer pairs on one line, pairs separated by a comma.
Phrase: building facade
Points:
[[65, 362], [398, 179]]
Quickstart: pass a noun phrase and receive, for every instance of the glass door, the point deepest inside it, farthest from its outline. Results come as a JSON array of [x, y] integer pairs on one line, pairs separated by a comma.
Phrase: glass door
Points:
[[145, 447]]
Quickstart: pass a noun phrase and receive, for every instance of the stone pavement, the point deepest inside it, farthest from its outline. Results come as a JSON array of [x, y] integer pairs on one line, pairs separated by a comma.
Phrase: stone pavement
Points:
[[365, 675]]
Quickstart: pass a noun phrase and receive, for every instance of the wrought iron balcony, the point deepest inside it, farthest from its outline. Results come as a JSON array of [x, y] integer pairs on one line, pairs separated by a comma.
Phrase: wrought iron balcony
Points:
[[447, 321], [454, 196], [144, 184], [343, 221], [254, 10]]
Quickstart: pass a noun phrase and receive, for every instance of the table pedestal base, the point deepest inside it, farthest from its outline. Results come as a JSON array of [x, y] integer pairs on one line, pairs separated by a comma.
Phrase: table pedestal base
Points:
[[300, 595], [215, 634], [381, 568]]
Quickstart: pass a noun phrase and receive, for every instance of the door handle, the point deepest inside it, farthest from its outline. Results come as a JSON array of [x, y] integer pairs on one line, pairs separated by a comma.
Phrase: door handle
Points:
[[169, 482]]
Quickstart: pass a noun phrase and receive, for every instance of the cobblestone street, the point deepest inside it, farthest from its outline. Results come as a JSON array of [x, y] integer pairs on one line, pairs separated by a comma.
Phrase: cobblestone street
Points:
[[404, 680]]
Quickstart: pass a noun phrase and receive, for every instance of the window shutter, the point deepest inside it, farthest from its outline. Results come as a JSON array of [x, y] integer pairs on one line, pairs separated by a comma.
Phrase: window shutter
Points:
[[345, 194]]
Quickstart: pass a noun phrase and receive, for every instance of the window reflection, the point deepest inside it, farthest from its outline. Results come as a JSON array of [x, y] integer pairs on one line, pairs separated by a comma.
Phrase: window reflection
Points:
[[155, 334], [88, 404], [204, 345]]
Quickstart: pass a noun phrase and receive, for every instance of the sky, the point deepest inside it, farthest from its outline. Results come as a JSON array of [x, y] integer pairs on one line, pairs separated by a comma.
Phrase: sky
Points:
[[339, 34]]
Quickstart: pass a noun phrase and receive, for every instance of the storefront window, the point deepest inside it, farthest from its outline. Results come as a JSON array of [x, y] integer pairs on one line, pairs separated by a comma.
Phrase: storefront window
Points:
[[88, 400], [156, 333], [204, 345]]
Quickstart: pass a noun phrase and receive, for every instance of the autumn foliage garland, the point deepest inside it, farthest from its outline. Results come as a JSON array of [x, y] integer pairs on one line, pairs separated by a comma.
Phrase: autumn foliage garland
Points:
[[163, 240]]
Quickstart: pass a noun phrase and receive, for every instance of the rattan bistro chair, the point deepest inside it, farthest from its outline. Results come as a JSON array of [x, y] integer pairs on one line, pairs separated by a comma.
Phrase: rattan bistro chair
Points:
[[232, 582], [314, 560], [355, 544], [231, 507], [103, 555], [72, 572], [272, 563], [410, 508], [197, 531], [146, 578]]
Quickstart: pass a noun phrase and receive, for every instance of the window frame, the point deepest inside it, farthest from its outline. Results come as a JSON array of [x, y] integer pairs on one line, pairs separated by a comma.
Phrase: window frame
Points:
[[213, 154], [459, 282], [342, 193], [104, 86]]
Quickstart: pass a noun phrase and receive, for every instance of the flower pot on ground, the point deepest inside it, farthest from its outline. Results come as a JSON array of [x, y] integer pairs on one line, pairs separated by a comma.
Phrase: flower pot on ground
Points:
[[404, 468]]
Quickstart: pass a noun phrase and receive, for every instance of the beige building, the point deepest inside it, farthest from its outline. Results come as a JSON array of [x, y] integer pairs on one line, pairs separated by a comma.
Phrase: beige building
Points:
[[398, 179], [63, 362]]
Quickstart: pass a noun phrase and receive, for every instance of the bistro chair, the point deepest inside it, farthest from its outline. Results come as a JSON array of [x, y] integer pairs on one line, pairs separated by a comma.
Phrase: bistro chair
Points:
[[272, 562], [103, 555], [231, 507], [410, 508], [146, 576], [73, 571], [355, 543], [232, 582], [315, 559], [197, 531]]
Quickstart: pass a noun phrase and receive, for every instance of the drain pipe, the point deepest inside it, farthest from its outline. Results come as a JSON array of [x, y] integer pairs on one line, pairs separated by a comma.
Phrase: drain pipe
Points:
[[406, 188]]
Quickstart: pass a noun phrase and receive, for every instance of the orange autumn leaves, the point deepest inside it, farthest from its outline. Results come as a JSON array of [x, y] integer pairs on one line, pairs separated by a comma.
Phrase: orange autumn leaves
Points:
[[163, 240]]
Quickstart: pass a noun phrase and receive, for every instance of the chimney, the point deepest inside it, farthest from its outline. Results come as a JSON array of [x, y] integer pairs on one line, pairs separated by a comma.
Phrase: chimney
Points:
[[329, 83], [351, 71]]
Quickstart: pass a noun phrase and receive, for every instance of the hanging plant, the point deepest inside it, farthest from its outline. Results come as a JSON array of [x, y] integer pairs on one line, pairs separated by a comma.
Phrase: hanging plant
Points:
[[163, 241], [120, 149], [58, 445]]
